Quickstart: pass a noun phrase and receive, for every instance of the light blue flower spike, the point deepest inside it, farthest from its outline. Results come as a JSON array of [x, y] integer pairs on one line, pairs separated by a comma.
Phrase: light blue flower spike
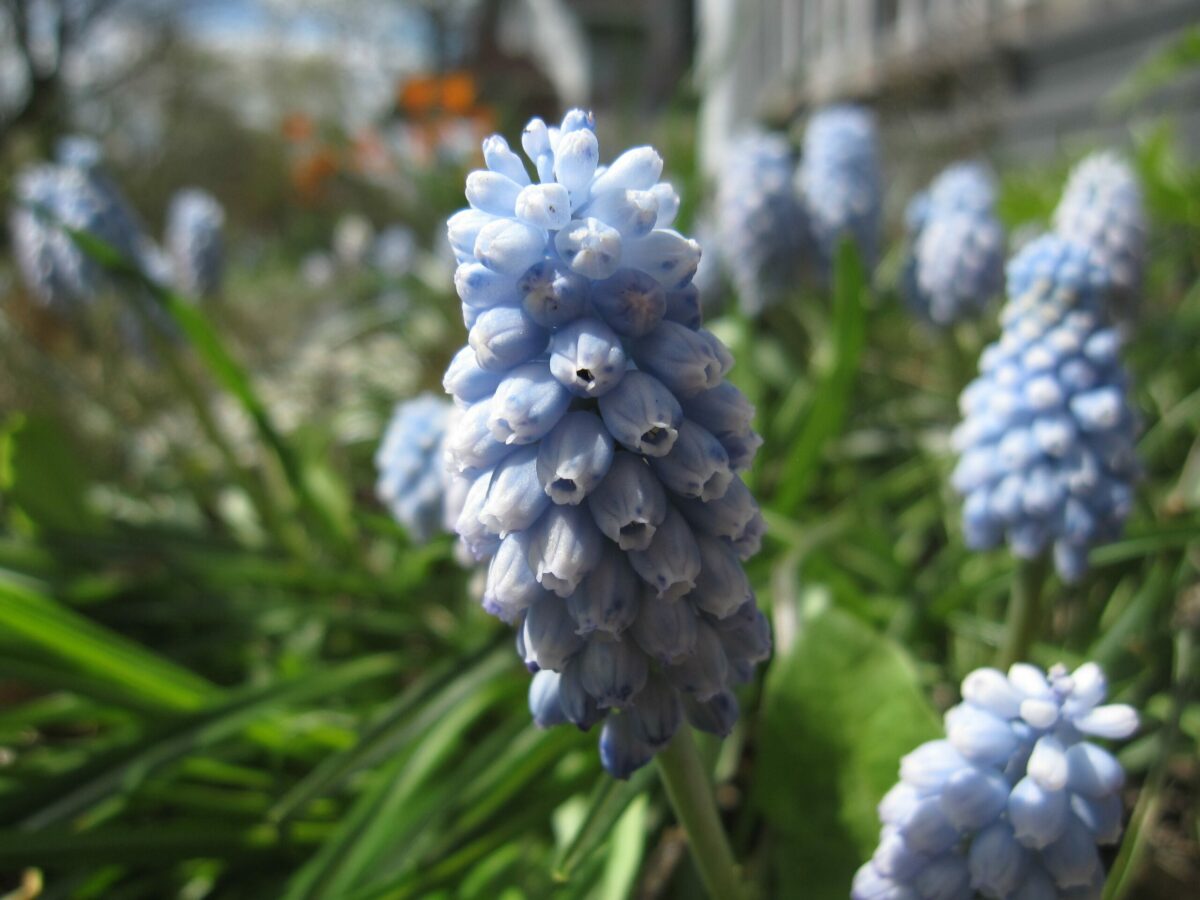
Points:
[[763, 227], [1102, 207], [411, 481], [840, 181], [194, 242], [574, 472], [1014, 802], [1046, 444], [75, 195], [956, 246]]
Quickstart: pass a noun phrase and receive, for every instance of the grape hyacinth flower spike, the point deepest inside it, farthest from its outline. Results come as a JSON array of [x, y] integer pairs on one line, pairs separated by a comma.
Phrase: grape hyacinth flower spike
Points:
[[84, 155], [840, 182], [1102, 207], [194, 242], [956, 246], [1014, 801], [596, 454], [412, 480], [1047, 439], [762, 225], [598, 444], [55, 270]]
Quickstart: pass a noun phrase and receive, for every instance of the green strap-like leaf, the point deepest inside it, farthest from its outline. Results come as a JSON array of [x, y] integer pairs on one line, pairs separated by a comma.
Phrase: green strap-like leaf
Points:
[[124, 769], [90, 651], [841, 706]]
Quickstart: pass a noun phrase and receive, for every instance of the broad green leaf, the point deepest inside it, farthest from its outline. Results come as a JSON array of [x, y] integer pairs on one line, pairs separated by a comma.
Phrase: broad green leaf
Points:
[[841, 706], [44, 477]]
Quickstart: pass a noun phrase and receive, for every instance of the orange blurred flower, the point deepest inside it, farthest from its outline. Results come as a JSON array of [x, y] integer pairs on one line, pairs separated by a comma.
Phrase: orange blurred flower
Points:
[[311, 173], [458, 93], [297, 127], [419, 95], [443, 112]]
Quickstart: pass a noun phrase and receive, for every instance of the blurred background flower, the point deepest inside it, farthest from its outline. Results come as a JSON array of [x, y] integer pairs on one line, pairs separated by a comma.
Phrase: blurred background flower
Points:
[[194, 242], [956, 257]]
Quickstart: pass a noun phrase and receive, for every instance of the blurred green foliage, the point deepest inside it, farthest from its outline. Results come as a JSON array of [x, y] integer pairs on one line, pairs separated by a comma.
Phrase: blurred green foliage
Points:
[[225, 673]]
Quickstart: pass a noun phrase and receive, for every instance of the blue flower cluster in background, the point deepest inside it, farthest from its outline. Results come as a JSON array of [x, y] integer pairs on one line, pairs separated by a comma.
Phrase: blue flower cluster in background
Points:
[[1015, 800], [1102, 207], [779, 223], [75, 195], [598, 444], [77, 192], [84, 154], [841, 182], [762, 227], [194, 242], [411, 482], [956, 246], [1047, 441]]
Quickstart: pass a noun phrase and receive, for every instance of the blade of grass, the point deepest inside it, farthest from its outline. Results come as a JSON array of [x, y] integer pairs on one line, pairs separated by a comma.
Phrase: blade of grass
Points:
[[372, 824], [431, 819], [122, 770], [607, 804], [94, 652], [158, 845], [625, 852], [53, 676], [449, 869], [400, 723], [508, 764]]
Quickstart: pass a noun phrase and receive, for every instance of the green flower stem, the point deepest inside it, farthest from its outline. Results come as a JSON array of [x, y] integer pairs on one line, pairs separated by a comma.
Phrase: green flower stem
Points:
[[691, 794], [1024, 611]]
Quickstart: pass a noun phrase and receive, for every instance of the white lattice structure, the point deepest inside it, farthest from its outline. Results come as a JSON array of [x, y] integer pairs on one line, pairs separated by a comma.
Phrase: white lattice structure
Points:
[[772, 57]]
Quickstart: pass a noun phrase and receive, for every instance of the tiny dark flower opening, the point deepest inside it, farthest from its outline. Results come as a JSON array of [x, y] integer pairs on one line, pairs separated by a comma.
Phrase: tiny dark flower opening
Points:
[[633, 529], [585, 375], [654, 436], [563, 486]]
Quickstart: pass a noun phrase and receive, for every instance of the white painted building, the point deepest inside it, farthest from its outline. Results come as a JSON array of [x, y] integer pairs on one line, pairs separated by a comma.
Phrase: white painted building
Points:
[[1024, 75]]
